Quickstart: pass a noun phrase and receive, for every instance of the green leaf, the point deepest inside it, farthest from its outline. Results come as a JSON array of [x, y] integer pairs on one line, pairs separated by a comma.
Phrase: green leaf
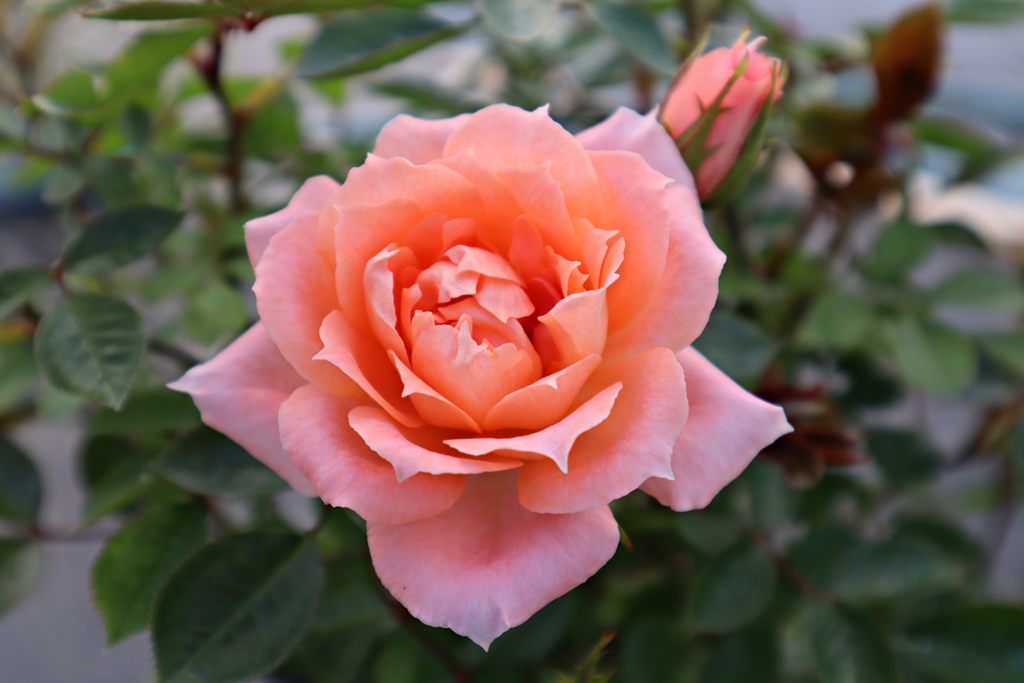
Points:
[[18, 285], [733, 590], [652, 651], [903, 456], [135, 561], [210, 463], [737, 346], [980, 289], [971, 645], [520, 20], [590, 669], [893, 570], [18, 372], [120, 486], [638, 33], [743, 658], [147, 410], [1007, 349], [900, 247], [708, 533], [119, 237], [21, 489], [156, 10], [20, 562], [236, 608], [841, 321], [91, 344], [985, 11], [931, 357], [214, 313], [849, 649], [352, 43]]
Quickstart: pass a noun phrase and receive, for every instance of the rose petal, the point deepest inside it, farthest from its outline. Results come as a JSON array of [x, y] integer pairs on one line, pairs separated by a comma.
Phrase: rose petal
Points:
[[344, 471], [727, 427], [366, 364], [294, 293], [404, 448], [621, 453], [554, 442], [636, 205], [629, 131], [487, 564], [311, 196], [537, 140], [677, 309], [239, 392], [417, 140], [578, 325], [434, 408], [545, 401], [379, 288], [541, 199]]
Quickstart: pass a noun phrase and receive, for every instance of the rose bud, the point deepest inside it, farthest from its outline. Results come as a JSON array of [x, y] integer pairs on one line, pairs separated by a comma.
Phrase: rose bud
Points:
[[717, 108], [477, 342]]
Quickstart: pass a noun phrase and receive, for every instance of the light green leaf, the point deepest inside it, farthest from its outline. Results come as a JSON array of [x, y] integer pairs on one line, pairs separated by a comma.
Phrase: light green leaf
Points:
[[91, 344], [934, 358], [635, 28], [972, 645], [849, 649], [901, 247], [236, 608], [137, 559], [352, 42], [119, 237], [733, 590], [156, 10], [842, 321], [520, 20], [214, 313], [980, 289], [210, 463], [18, 285], [21, 489]]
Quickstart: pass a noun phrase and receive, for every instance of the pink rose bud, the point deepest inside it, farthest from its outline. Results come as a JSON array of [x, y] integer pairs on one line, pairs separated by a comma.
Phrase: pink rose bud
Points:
[[717, 108]]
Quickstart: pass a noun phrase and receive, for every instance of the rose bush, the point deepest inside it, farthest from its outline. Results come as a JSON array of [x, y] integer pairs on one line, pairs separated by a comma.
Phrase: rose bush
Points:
[[477, 342]]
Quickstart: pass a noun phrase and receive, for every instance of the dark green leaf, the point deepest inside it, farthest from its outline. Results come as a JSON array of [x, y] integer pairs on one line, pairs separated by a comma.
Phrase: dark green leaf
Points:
[[591, 668], [733, 590], [148, 410], [737, 346], [91, 344], [972, 645], [17, 285], [895, 569], [122, 485], [352, 43], [651, 650], [520, 20], [1007, 349], [820, 554], [535, 640], [636, 30], [136, 560], [210, 463], [743, 658], [934, 358], [18, 372], [236, 608], [119, 237], [903, 456], [20, 562], [155, 10], [707, 532], [849, 649], [21, 490]]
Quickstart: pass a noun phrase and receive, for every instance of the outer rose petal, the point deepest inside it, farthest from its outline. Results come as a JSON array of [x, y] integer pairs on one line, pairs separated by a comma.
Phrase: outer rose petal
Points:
[[239, 393], [487, 564], [346, 473], [727, 427], [618, 455], [294, 293], [312, 196], [630, 132], [418, 140]]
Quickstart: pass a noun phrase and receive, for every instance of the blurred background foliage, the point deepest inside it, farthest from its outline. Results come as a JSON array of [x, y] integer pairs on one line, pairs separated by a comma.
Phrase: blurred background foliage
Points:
[[866, 290]]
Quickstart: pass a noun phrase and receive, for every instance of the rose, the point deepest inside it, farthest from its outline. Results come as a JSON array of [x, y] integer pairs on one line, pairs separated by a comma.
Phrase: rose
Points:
[[476, 343], [713, 109]]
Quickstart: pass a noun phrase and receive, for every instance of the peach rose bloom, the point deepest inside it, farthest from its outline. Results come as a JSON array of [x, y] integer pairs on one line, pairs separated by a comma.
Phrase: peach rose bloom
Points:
[[700, 83], [478, 341]]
